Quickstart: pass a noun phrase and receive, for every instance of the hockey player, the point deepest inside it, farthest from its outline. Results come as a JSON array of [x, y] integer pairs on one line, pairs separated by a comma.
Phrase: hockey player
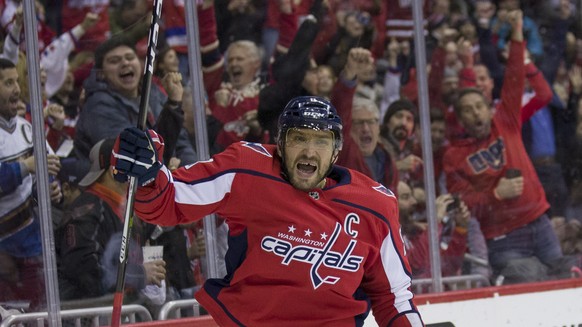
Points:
[[310, 243]]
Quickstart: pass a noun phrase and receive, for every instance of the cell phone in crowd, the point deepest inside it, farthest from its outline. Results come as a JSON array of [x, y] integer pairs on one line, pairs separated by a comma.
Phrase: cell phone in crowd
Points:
[[512, 173], [455, 204], [448, 222]]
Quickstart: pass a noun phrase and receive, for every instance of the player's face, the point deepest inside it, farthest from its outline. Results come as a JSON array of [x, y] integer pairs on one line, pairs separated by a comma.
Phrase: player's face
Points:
[[122, 70], [308, 156], [475, 115], [9, 93], [365, 130]]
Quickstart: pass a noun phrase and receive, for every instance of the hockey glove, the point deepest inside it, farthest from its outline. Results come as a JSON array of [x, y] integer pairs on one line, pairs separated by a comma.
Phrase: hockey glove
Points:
[[137, 153]]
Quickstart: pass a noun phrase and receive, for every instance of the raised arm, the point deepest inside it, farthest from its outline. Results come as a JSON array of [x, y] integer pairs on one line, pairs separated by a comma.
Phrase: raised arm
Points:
[[212, 59], [514, 79]]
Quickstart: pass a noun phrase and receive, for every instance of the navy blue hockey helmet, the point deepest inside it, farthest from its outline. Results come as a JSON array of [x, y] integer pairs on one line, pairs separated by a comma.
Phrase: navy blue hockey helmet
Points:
[[310, 112]]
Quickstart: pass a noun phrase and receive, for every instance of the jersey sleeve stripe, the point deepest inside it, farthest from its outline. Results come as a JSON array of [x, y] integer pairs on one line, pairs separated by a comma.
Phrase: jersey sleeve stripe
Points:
[[164, 180], [206, 192], [401, 277], [229, 171], [412, 316], [397, 275], [212, 189]]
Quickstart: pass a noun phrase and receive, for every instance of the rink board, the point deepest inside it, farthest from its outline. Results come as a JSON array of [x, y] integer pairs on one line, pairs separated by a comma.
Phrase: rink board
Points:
[[547, 304]]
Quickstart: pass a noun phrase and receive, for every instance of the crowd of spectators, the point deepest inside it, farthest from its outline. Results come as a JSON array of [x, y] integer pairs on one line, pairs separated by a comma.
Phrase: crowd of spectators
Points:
[[505, 86]]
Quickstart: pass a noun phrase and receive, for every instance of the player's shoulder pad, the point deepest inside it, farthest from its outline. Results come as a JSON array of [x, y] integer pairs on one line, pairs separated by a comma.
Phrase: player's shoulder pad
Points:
[[266, 150], [384, 190], [361, 180], [368, 188], [247, 155]]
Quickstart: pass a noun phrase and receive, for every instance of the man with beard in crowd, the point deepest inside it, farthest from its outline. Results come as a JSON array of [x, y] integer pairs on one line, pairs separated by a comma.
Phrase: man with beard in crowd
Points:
[[397, 130]]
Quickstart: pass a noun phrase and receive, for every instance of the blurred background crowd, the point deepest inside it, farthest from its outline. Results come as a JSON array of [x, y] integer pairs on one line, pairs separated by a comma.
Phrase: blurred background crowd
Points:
[[496, 191]]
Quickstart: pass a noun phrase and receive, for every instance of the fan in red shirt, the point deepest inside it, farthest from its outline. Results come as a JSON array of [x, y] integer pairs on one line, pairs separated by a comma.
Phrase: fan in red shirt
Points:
[[491, 170]]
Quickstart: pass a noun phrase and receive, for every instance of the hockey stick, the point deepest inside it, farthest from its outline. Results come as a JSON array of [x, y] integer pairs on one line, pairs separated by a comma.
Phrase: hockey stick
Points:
[[141, 124]]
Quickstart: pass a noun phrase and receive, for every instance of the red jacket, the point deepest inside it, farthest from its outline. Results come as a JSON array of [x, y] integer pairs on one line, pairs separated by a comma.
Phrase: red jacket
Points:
[[473, 167]]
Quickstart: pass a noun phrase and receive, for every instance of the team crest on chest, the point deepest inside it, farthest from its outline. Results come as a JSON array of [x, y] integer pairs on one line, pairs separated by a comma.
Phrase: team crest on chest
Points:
[[316, 249]]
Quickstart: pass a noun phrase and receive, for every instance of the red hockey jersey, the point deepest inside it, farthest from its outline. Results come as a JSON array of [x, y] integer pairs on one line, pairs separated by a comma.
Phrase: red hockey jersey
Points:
[[295, 258]]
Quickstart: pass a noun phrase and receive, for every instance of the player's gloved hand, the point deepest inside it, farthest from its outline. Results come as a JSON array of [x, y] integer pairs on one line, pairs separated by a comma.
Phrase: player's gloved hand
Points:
[[137, 153]]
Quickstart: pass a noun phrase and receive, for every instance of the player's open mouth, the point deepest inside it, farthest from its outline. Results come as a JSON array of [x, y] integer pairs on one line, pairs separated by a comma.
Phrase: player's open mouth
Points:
[[306, 168]]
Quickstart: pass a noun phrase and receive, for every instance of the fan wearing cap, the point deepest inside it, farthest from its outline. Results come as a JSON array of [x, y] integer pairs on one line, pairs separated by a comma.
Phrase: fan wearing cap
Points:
[[397, 131], [304, 233], [90, 223], [68, 177]]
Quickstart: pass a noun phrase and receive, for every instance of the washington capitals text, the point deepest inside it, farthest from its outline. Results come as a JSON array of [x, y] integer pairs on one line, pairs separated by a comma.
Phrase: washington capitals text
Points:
[[316, 256]]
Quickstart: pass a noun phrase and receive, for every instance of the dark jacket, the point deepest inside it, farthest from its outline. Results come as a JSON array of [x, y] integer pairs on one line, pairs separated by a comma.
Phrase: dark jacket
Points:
[[106, 113], [288, 72], [89, 226]]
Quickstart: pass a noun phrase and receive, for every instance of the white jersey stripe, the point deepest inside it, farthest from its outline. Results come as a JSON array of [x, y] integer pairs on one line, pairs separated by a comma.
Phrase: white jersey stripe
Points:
[[208, 192], [396, 275]]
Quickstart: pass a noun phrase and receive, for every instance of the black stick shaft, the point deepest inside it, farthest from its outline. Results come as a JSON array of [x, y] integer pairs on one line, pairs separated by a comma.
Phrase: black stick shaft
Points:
[[141, 124]]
